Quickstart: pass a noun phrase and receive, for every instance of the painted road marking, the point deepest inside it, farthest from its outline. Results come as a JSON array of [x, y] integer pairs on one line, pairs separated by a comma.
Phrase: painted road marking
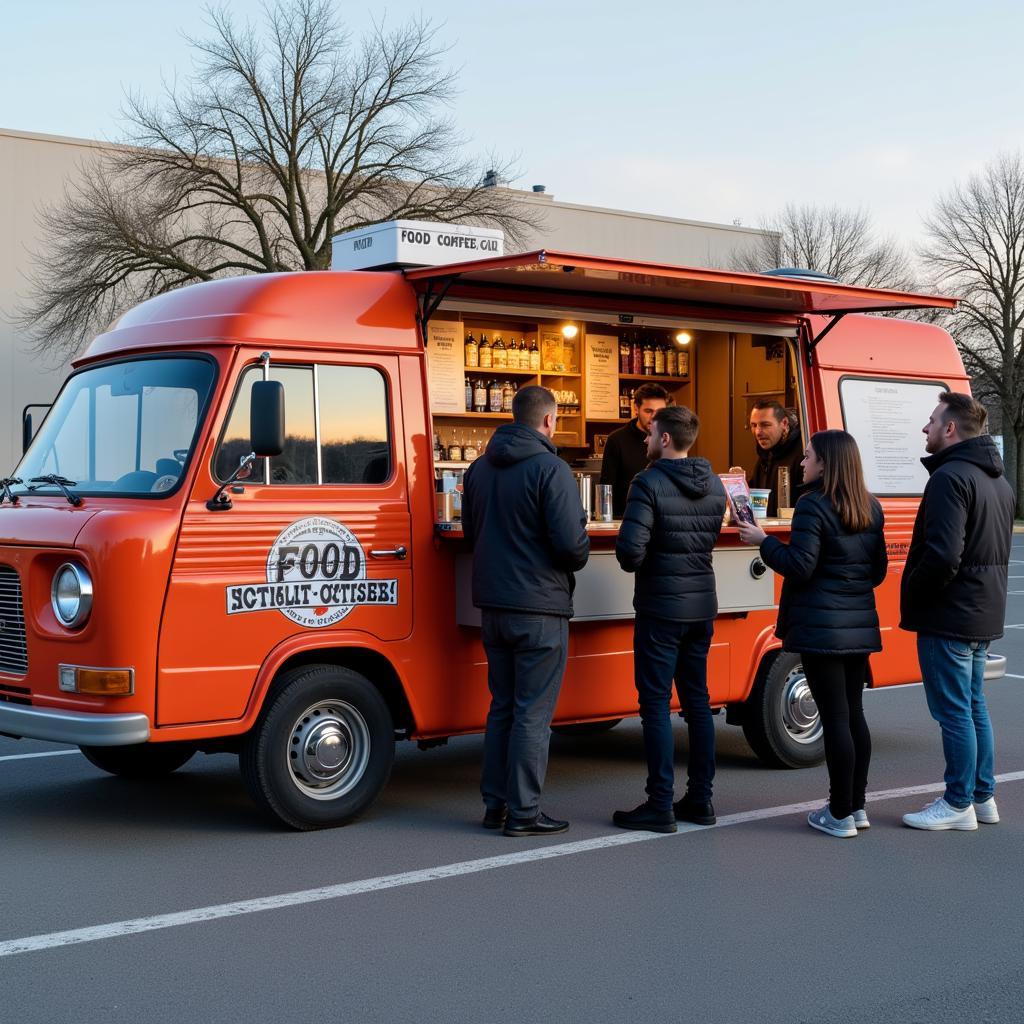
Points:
[[1010, 675], [47, 753], [116, 929]]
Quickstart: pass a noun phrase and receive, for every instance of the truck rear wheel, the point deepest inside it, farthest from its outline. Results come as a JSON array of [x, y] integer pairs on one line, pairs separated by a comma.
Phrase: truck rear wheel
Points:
[[321, 750], [781, 720], [140, 760]]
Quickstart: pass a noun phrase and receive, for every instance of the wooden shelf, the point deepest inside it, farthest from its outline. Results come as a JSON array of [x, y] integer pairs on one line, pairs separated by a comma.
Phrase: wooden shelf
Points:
[[601, 419], [494, 370], [559, 373], [472, 415], [653, 379]]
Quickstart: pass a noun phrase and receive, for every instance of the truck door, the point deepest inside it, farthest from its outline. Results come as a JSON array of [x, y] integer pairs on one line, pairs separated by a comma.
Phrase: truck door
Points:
[[317, 541]]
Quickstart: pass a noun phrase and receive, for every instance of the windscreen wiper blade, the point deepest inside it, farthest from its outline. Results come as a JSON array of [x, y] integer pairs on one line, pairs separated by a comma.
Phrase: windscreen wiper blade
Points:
[[58, 481], [6, 494]]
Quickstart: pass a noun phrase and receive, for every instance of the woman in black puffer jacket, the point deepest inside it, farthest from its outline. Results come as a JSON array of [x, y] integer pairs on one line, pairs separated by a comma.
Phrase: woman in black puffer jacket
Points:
[[830, 568]]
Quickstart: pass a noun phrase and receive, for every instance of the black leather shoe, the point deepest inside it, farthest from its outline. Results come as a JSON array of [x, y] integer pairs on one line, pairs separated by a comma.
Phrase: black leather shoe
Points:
[[645, 819], [494, 817], [542, 825], [699, 812]]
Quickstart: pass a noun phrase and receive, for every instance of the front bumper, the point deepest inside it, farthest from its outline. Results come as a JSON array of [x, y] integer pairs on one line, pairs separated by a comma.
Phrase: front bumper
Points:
[[71, 727]]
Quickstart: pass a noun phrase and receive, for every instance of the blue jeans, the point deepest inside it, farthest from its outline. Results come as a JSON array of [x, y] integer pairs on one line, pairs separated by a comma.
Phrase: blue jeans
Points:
[[663, 651], [954, 674]]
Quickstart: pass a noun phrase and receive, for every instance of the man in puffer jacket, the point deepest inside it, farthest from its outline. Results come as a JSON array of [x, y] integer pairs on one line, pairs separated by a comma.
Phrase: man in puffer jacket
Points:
[[522, 512], [953, 595], [671, 524]]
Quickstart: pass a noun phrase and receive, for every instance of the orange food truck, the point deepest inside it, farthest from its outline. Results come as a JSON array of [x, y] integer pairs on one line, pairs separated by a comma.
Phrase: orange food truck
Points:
[[236, 529]]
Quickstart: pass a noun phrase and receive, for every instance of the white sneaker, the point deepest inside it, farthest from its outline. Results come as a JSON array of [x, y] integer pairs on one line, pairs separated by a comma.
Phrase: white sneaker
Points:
[[860, 819], [939, 816], [825, 821], [987, 812]]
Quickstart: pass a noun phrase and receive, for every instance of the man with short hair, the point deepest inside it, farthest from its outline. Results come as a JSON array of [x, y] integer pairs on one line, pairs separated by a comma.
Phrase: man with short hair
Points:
[[521, 511], [625, 454], [777, 434], [672, 522], [953, 595]]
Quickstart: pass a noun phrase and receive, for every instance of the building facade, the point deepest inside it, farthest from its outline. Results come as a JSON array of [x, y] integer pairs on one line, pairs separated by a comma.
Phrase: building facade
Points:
[[37, 169]]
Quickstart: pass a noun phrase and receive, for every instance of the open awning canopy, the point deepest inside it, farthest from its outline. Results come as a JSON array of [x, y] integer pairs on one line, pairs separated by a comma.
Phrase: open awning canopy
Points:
[[600, 283]]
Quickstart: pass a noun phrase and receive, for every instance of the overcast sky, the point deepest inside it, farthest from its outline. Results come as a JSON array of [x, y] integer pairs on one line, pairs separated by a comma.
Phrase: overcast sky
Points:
[[706, 111]]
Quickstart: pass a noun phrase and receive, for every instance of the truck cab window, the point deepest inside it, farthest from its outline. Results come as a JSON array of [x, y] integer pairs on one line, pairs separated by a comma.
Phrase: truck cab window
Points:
[[354, 425]]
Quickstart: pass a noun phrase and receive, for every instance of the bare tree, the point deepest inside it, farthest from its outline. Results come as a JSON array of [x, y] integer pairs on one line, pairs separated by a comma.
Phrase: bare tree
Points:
[[279, 140], [831, 240], [975, 249]]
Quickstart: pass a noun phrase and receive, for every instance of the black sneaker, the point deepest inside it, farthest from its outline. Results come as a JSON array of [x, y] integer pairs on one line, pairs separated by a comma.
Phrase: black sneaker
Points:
[[645, 819], [699, 812], [494, 817], [542, 825]]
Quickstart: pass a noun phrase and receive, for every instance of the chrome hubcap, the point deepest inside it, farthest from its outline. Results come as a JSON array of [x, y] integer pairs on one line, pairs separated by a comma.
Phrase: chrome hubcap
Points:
[[799, 711], [329, 749]]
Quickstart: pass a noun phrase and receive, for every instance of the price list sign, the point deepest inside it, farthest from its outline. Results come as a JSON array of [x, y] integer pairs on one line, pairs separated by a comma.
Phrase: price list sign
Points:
[[445, 374]]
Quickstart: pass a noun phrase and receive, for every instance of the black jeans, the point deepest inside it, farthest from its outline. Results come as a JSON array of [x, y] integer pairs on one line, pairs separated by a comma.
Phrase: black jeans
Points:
[[663, 651], [837, 685], [525, 664]]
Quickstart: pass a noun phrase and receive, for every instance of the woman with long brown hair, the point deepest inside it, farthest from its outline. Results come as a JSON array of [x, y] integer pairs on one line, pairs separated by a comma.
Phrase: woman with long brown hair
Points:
[[834, 560]]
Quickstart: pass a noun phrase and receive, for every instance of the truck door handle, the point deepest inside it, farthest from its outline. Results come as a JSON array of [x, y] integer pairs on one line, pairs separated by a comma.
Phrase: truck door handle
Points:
[[401, 552]]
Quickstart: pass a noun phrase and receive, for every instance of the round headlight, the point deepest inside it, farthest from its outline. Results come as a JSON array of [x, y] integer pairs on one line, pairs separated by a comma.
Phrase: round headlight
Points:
[[71, 595]]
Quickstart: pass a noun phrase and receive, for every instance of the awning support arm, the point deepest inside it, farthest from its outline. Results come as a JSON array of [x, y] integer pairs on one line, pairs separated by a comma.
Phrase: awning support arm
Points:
[[429, 303], [816, 340]]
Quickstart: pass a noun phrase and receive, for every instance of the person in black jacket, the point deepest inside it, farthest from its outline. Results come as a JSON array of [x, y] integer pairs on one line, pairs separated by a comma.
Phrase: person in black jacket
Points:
[[777, 433], [834, 560], [522, 512], [672, 521], [625, 454], [953, 595]]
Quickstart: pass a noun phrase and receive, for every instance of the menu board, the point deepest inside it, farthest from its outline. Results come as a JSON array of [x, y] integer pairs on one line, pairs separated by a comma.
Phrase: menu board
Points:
[[446, 378], [886, 417], [602, 401]]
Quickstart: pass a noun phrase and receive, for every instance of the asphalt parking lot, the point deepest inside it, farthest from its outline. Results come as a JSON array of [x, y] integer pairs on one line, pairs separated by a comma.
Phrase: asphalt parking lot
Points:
[[131, 901]]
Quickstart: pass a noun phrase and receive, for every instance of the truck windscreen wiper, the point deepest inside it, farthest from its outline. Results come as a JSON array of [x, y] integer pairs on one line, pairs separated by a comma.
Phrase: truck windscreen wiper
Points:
[[6, 494], [58, 481]]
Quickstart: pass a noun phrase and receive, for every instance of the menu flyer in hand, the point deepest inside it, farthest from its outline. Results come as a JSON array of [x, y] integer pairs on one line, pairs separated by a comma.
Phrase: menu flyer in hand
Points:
[[738, 493]]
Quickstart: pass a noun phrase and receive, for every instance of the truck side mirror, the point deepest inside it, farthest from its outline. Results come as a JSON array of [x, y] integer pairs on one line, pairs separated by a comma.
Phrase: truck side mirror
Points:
[[266, 418], [26, 432]]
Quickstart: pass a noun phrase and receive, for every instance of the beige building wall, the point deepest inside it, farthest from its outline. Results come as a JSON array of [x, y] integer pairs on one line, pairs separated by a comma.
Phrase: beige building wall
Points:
[[36, 169]]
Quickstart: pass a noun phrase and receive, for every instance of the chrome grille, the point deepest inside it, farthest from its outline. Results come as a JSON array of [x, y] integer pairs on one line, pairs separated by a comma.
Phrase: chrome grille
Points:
[[13, 650]]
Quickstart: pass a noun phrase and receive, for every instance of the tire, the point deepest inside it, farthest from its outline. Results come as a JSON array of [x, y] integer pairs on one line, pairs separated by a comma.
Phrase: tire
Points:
[[140, 760], [321, 750], [586, 728], [781, 721]]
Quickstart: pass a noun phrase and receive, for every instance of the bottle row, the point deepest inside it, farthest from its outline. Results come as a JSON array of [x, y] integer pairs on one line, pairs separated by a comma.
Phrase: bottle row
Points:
[[490, 396], [653, 355], [460, 444], [499, 355]]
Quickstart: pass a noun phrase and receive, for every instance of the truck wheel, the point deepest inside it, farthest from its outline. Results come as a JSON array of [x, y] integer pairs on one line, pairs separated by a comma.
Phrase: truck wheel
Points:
[[586, 728], [321, 749], [140, 760], [781, 721]]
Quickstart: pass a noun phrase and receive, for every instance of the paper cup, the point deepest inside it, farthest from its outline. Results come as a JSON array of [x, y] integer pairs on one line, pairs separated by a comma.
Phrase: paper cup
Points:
[[759, 501]]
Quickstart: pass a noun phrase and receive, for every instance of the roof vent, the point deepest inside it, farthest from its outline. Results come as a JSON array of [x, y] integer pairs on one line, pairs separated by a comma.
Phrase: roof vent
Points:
[[490, 179], [540, 188], [800, 272]]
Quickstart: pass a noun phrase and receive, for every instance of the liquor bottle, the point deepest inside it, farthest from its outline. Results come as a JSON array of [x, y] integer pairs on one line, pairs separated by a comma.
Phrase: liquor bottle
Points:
[[485, 353], [684, 363], [480, 395], [524, 355], [439, 452], [499, 354], [454, 449], [624, 410], [495, 394], [659, 360], [512, 354], [534, 355], [470, 450], [508, 392], [672, 361], [648, 358], [636, 360], [623, 353], [472, 351], [469, 395]]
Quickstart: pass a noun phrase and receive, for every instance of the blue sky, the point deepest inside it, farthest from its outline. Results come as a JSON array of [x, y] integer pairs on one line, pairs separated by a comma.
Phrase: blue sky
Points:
[[707, 111]]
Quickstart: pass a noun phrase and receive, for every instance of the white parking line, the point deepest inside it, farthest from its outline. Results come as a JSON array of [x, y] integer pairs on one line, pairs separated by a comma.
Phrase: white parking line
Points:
[[1010, 675], [45, 753], [116, 929]]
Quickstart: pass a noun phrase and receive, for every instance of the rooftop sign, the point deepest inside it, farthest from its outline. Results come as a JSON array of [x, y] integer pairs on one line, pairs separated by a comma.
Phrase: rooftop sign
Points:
[[413, 243]]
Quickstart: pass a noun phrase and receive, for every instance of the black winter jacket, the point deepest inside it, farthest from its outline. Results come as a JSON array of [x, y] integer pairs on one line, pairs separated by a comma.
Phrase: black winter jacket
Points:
[[522, 512], [954, 582], [829, 578], [790, 453], [673, 518], [625, 455]]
